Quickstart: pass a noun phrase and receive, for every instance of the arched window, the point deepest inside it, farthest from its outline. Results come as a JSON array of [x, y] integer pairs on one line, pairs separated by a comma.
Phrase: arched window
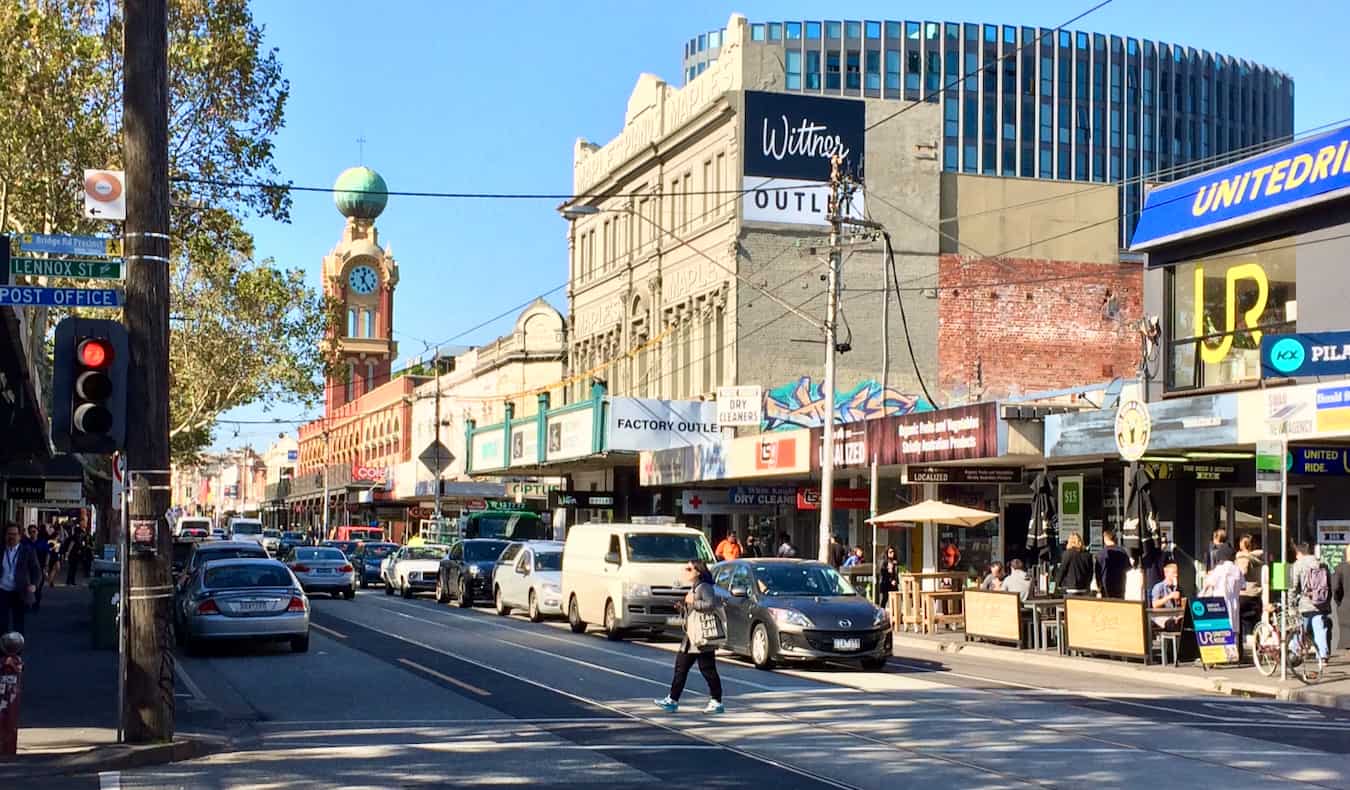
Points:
[[351, 381], [351, 322], [370, 323], [370, 375]]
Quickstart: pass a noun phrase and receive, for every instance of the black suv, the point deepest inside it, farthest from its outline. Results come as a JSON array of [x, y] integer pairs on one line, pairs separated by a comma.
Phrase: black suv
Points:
[[466, 571]]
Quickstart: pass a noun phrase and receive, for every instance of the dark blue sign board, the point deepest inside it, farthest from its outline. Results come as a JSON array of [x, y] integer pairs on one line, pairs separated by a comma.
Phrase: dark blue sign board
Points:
[[1319, 460], [793, 136], [34, 296], [1305, 354], [1275, 182], [1214, 633]]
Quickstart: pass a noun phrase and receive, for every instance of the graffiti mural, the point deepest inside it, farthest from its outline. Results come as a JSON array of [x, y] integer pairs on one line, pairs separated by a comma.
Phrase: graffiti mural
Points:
[[801, 404]]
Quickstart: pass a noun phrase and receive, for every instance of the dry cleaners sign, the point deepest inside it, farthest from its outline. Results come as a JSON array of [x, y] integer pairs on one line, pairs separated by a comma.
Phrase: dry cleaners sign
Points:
[[637, 424], [790, 140]]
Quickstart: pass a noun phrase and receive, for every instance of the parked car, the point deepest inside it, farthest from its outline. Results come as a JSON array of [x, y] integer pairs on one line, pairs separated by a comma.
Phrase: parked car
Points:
[[195, 533], [323, 569], [466, 572], [194, 523], [367, 560], [413, 569], [627, 576], [290, 540], [246, 529], [528, 576], [201, 553], [781, 609], [253, 599], [217, 533], [271, 540]]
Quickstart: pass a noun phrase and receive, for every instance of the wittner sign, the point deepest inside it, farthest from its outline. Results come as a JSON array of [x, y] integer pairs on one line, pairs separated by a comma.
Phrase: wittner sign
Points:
[[790, 141]]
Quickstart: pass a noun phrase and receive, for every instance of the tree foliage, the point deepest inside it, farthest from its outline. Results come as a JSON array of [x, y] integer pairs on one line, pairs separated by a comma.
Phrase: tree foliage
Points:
[[244, 331]]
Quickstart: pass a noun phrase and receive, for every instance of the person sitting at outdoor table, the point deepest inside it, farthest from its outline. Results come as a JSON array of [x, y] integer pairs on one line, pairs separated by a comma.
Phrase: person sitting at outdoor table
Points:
[[1166, 594], [854, 558], [1074, 576], [993, 581], [1017, 579], [1112, 565]]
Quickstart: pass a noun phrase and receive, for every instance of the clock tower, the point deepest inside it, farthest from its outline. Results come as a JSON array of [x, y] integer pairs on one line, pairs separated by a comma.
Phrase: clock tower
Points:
[[361, 276]]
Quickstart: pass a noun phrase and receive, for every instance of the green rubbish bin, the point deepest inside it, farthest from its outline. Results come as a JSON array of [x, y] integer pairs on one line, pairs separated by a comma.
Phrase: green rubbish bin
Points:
[[103, 611]]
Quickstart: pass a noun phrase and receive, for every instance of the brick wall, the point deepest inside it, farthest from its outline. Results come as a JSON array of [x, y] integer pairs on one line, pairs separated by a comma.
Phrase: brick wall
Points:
[[1013, 326]]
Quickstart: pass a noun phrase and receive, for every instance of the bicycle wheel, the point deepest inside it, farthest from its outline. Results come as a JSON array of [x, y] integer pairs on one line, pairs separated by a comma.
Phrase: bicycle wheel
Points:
[[1266, 649], [1302, 662]]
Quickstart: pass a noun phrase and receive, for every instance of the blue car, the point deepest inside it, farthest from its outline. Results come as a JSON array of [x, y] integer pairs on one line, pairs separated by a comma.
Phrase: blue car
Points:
[[367, 559], [290, 540]]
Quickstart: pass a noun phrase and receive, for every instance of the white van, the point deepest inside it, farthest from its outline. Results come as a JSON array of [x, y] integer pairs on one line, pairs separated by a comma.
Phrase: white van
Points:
[[627, 575], [250, 529], [194, 523]]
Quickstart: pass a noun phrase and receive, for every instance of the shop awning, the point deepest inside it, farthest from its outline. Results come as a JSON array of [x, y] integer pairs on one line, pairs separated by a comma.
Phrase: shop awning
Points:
[[936, 512]]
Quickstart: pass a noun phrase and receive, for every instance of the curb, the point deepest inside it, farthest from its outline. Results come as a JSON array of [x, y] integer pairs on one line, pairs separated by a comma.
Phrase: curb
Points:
[[1214, 684], [115, 757]]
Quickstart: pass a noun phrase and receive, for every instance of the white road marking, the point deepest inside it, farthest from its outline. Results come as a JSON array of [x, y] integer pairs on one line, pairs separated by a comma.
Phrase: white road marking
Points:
[[445, 677], [110, 780], [328, 631]]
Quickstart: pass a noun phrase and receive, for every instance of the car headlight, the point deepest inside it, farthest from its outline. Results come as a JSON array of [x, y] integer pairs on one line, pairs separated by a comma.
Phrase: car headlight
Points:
[[792, 617], [473, 570], [552, 588], [880, 619], [637, 590]]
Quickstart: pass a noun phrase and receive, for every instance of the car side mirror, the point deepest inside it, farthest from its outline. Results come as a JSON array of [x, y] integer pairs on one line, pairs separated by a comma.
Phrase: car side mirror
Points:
[[739, 591], [612, 558], [523, 571]]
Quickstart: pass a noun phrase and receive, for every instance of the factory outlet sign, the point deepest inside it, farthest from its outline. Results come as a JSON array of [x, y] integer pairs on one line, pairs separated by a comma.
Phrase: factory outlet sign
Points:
[[637, 424], [789, 143]]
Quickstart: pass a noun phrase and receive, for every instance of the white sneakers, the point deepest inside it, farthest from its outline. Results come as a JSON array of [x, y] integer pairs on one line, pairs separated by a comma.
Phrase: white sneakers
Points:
[[670, 706], [714, 706]]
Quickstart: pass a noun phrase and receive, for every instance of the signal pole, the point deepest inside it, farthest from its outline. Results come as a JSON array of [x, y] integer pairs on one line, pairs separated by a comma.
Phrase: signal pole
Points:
[[148, 707], [834, 205]]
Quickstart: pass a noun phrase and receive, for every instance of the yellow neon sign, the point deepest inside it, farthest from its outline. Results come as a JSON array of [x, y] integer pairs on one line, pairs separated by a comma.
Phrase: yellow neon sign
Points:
[[1253, 271]]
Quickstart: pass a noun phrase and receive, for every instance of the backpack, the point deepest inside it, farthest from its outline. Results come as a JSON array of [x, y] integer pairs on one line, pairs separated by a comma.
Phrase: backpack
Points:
[[1317, 586]]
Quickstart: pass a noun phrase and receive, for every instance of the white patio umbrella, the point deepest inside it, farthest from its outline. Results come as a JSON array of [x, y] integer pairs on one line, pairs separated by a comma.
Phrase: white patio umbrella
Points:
[[934, 512]]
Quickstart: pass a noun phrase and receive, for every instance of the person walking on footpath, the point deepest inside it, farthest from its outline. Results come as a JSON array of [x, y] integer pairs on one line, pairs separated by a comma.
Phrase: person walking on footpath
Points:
[[700, 600], [785, 547], [835, 552], [729, 548], [19, 576], [888, 576], [53, 554], [1312, 591], [1340, 598], [40, 548], [1074, 576]]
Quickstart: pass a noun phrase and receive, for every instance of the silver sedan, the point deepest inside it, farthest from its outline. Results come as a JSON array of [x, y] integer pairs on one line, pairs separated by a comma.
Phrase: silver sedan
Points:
[[323, 569], [245, 599]]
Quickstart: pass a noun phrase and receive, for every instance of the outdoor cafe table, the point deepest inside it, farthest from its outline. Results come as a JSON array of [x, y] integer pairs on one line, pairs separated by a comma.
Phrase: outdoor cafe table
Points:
[[1042, 607], [911, 610]]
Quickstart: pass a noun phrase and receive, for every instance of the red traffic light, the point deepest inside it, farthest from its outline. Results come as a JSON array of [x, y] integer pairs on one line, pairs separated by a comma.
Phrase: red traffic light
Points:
[[94, 353]]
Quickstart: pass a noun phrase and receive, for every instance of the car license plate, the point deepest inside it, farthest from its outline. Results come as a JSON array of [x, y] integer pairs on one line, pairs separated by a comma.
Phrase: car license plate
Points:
[[322, 571], [848, 644], [252, 606], [675, 619]]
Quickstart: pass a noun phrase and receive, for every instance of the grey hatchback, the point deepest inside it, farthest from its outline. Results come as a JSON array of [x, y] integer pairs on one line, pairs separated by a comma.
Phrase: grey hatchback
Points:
[[780, 609], [244, 599]]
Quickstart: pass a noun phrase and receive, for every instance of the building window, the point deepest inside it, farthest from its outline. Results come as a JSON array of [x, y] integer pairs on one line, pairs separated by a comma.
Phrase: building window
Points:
[[812, 31], [813, 70], [757, 32], [370, 375], [892, 70], [351, 382], [687, 201], [370, 323], [793, 76], [794, 31], [834, 30], [351, 322], [853, 77], [911, 73], [832, 71], [874, 30], [853, 30], [718, 173], [715, 39], [775, 31], [873, 70]]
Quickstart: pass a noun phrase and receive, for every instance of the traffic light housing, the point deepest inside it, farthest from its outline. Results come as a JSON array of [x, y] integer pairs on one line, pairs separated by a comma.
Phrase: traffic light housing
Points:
[[89, 386]]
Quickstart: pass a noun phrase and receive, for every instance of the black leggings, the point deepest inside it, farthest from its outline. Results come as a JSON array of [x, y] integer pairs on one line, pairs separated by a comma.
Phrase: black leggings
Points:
[[707, 665]]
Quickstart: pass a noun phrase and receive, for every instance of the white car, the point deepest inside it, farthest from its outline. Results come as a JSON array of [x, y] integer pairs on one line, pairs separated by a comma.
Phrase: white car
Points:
[[271, 541], [529, 576], [246, 529], [412, 569]]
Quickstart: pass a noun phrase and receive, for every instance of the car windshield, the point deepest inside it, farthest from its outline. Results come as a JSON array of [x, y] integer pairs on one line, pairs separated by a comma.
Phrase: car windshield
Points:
[[548, 560], [482, 552], [271, 533], [230, 553], [247, 576], [246, 528], [801, 580], [520, 526], [659, 547], [319, 553], [345, 546], [379, 550], [425, 553], [292, 536]]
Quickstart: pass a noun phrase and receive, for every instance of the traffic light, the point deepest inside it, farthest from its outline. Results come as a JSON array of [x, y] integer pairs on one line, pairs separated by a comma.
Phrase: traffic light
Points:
[[89, 386]]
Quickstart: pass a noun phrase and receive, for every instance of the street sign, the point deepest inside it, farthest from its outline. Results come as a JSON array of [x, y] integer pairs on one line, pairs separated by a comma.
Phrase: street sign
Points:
[[436, 461], [1270, 461], [34, 296], [739, 405], [66, 267], [62, 244], [105, 195]]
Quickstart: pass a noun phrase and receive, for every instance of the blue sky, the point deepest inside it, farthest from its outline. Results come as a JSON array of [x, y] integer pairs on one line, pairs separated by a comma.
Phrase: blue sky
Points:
[[489, 97]]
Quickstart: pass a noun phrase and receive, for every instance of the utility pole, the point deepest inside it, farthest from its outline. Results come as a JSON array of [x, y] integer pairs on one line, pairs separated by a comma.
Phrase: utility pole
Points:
[[148, 707], [831, 332], [324, 534], [885, 382], [436, 509]]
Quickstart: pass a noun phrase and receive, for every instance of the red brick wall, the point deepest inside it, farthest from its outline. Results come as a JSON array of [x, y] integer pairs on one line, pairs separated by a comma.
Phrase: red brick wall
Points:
[[1015, 326]]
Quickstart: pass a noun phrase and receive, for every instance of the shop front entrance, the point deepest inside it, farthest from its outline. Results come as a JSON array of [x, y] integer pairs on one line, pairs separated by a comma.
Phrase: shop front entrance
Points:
[[1243, 511]]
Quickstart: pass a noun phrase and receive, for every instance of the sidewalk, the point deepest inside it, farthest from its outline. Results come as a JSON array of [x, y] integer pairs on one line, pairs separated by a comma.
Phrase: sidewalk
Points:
[[1242, 681], [68, 710]]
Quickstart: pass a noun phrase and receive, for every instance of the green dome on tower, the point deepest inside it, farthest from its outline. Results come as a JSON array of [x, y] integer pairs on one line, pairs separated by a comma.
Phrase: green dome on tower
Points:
[[360, 192]]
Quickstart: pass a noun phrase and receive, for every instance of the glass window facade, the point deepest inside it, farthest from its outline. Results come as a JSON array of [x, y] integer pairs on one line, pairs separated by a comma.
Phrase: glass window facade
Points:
[[1042, 103]]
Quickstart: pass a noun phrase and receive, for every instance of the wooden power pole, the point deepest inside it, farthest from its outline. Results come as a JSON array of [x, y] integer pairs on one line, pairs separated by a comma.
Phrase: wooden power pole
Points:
[[148, 707]]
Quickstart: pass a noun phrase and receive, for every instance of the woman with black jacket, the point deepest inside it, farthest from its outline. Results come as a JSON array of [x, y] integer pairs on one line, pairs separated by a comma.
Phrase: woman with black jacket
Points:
[[1074, 576], [888, 576], [701, 598]]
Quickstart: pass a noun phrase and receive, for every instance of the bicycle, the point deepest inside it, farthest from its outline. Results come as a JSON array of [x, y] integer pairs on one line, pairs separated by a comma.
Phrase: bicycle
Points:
[[1301, 650]]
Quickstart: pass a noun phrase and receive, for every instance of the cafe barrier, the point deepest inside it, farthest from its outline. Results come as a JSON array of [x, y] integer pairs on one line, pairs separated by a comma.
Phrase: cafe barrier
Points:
[[994, 615], [1110, 627]]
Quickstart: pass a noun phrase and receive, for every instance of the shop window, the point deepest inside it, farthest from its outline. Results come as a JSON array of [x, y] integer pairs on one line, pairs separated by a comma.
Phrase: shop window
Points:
[[1219, 307]]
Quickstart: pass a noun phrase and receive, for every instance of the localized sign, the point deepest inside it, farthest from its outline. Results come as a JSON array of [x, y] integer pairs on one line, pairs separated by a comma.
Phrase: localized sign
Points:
[[61, 244], [1333, 536], [739, 405], [66, 267], [105, 195], [963, 474], [1273, 183], [767, 496], [844, 498], [1214, 633], [1070, 505], [850, 446], [637, 424], [1134, 428], [35, 296], [1306, 354]]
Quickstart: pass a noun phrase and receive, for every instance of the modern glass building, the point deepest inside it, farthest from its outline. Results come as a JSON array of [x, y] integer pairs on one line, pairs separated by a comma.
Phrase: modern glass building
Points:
[[1045, 103]]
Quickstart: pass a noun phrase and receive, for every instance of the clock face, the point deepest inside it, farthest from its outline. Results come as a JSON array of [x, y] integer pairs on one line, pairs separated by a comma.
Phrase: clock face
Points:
[[363, 279]]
